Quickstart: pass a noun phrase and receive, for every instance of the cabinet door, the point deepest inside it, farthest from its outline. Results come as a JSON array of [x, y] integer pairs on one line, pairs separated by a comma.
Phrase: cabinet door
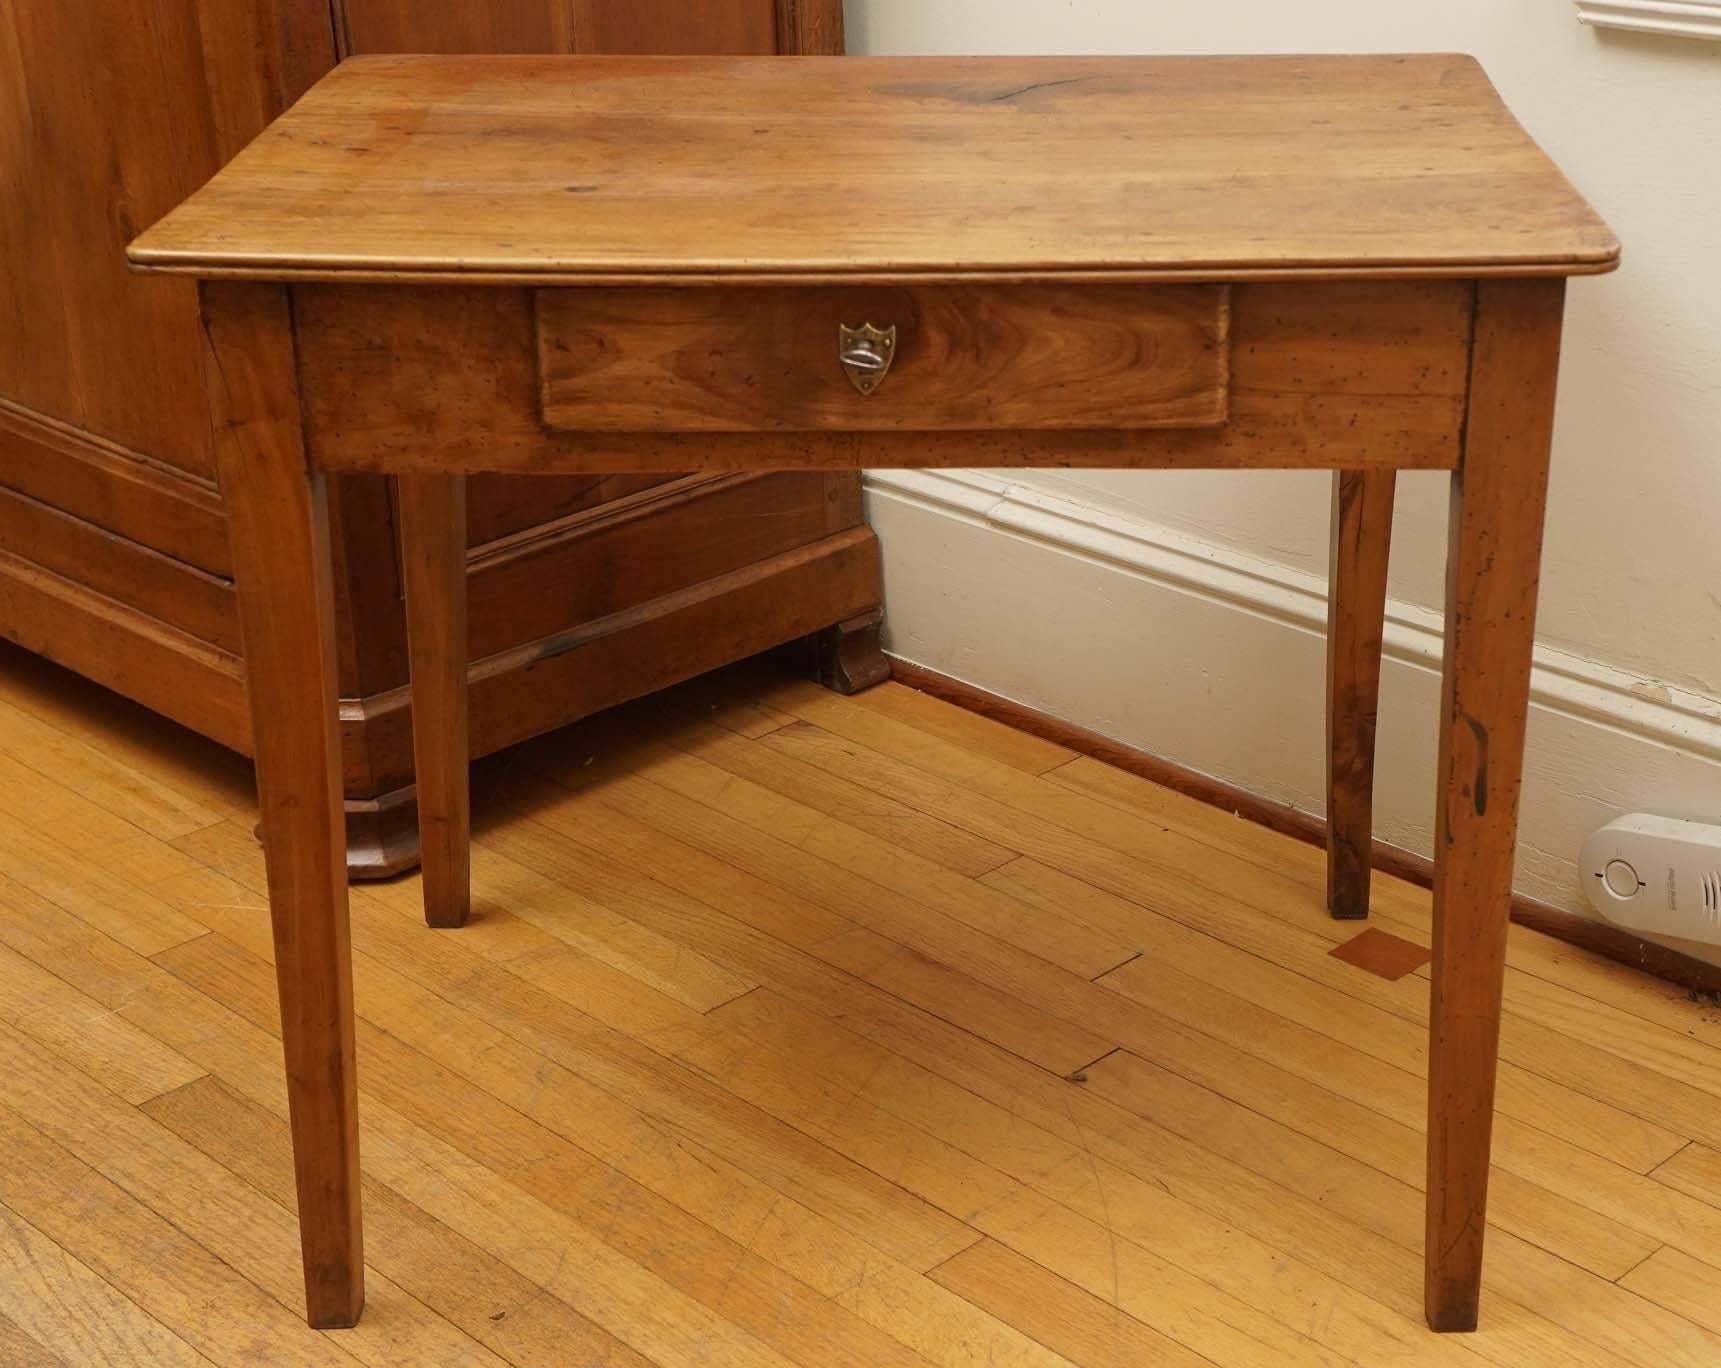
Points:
[[637, 26], [674, 26], [455, 25], [110, 114]]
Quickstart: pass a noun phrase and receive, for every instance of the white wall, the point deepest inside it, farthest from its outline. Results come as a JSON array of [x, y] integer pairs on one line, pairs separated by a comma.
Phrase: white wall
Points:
[[1222, 679]]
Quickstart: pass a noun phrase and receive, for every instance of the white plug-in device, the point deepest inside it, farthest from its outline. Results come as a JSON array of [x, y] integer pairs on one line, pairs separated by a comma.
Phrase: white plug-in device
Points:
[[1658, 875]]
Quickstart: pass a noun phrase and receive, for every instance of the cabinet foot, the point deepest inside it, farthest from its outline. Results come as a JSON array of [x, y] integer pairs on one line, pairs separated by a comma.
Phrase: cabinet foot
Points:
[[382, 834], [847, 656]]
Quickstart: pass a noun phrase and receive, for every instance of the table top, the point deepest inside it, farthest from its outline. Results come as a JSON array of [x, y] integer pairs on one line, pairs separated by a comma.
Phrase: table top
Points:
[[582, 169]]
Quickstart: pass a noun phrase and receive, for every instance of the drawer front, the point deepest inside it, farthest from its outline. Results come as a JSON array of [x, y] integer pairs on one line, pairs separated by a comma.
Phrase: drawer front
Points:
[[919, 358]]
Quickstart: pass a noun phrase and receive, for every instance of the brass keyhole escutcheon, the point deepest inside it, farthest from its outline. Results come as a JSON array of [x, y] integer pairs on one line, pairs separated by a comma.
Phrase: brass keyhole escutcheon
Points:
[[866, 353]]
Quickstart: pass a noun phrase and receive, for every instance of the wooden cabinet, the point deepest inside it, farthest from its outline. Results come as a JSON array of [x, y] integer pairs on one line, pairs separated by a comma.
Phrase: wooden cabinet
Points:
[[113, 542]]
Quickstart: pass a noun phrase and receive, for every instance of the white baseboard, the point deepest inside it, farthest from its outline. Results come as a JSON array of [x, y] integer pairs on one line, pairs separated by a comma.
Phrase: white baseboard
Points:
[[1677, 18], [1215, 660]]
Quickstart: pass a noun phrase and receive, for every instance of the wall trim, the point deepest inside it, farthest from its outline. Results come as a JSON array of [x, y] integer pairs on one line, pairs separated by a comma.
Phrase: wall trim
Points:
[[1560, 682], [1214, 659], [1680, 18]]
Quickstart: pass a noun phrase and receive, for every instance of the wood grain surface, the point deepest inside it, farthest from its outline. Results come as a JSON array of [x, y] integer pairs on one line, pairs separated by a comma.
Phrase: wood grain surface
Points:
[[884, 168], [278, 509], [433, 570], [1493, 567], [1365, 374], [976, 357], [1356, 608]]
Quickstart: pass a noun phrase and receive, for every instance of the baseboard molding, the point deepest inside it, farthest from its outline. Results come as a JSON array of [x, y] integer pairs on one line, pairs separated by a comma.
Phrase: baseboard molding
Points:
[[1178, 648], [1584, 932], [1675, 18]]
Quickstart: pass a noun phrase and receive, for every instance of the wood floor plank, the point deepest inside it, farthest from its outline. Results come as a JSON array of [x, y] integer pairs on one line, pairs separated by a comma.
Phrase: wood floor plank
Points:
[[33, 800], [72, 763], [85, 1034], [1289, 970], [1181, 885], [1695, 1171], [1163, 1291], [1307, 1047], [510, 1226], [663, 1323], [430, 980], [877, 813], [1075, 1190], [505, 1007], [246, 1060], [582, 851], [18, 1350], [1619, 985], [1544, 1277], [1525, 1237], [754, 1276], [1072, 945], [725, 699], [762, 1049], [65, 1307], [505, 889], [97, 891], [875, 1103], [1018, 749], [210, 1205], [741, 863], [1077, 1324], [1619, 1322], [201, 771], [166, 1273], [1553, 1220], [1682, 1284], [1686, 1055], [506, 1312], [495, 933], [776, 837], [1628, 1198]]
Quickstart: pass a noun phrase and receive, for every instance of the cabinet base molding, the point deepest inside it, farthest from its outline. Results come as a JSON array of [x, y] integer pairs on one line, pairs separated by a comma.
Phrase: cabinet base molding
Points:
[[382, 834], [826, 594], [165, 669]]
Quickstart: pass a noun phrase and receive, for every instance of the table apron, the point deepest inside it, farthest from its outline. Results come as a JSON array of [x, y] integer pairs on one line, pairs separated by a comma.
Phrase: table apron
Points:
[[1278, 375]]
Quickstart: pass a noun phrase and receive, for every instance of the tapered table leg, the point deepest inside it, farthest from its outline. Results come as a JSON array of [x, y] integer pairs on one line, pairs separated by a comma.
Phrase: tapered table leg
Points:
[[1356, 613], [433, 541], [278, 514], [1498, 497]]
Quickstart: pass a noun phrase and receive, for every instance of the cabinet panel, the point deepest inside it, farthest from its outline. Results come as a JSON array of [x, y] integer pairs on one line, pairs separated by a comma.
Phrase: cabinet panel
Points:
[[108, 115], [113, 487], [498, 506], [674, 26], [629, 551], [455, 25], [155, 585]]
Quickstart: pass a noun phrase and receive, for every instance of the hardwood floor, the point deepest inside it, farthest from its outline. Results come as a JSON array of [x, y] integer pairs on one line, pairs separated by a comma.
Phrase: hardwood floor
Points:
[[796, 1029]]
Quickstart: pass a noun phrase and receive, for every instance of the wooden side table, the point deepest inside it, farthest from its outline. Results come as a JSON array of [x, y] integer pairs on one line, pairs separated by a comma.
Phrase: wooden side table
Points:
[[437, 266]]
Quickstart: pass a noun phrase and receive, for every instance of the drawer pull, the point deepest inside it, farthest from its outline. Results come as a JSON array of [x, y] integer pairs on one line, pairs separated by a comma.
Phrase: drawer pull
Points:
[[866, 353]]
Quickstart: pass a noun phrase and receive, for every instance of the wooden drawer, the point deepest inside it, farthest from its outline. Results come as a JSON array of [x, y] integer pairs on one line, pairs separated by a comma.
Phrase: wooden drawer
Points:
[[931, 358]]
